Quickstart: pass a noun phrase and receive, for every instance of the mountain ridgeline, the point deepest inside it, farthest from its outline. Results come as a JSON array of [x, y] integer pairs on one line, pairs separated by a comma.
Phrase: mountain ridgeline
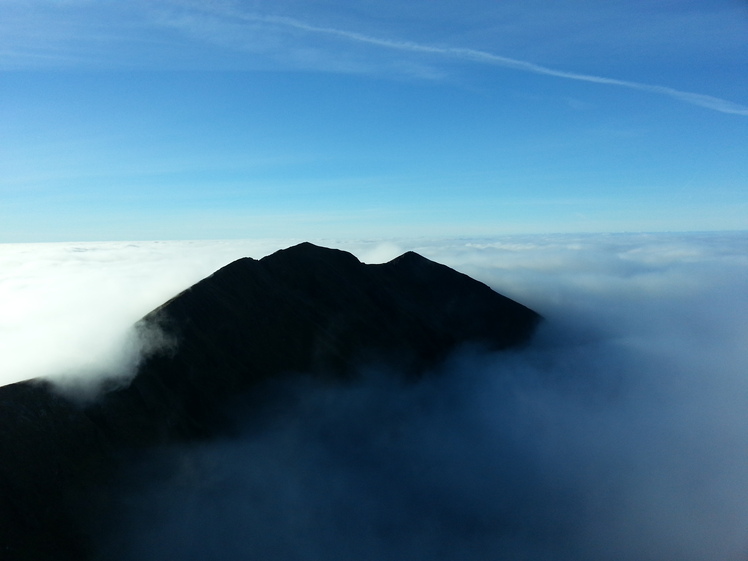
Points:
[[305, 309]]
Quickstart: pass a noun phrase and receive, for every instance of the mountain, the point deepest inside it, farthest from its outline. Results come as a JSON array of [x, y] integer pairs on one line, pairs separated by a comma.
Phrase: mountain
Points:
[[305, 309]]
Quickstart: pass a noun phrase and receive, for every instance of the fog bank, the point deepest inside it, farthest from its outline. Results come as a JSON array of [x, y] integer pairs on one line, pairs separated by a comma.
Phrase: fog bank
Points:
[[618, 434], [68, 308]]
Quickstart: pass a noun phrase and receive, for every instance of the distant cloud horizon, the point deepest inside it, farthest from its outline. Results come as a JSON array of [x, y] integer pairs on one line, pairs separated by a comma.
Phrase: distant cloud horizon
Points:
[[76, 301]]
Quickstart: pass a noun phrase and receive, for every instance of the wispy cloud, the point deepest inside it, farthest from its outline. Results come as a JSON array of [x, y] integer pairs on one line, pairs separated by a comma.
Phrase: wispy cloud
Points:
[[484, 57], [221, 22], [470, 55]]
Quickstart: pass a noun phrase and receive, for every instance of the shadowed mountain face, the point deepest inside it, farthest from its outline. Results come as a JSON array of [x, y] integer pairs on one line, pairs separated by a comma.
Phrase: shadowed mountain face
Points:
[[304, 309]]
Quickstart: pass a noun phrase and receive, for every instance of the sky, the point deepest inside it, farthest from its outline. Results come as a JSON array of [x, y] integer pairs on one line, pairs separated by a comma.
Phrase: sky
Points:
[[172, 119], [617, 434]]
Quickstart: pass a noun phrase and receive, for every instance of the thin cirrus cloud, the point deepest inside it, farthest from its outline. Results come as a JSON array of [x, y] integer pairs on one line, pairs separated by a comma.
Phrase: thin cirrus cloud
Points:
[[488, 58], [247, 31]]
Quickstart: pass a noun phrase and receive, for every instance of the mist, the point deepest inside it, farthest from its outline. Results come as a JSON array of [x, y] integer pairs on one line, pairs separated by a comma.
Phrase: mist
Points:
[[617, 434], [68, 308]]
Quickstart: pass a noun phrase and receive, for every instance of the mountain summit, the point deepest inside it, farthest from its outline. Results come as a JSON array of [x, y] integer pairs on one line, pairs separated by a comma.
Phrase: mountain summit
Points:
[[305, 309]]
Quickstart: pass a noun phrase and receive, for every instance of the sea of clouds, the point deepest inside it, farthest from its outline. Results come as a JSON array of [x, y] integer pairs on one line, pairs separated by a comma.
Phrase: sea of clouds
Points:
[[619, 433]]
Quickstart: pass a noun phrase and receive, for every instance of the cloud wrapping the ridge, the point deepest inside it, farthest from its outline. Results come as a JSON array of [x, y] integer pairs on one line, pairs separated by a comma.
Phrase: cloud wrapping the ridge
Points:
[[68, 308], [618, 434]]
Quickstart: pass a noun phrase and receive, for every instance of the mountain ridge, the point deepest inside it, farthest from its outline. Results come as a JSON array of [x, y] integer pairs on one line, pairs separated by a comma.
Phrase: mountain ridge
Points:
[[302, 309]]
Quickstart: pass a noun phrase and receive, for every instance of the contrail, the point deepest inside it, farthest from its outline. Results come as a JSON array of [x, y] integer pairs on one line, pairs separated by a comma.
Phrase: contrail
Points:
[[474, 55]]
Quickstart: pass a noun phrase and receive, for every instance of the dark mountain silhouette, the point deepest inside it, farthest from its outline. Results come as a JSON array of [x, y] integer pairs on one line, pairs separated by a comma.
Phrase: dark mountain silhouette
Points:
[[305, 309]]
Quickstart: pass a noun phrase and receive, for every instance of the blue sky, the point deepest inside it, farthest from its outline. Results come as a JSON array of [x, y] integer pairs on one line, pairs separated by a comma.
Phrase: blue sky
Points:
[[238, 119]]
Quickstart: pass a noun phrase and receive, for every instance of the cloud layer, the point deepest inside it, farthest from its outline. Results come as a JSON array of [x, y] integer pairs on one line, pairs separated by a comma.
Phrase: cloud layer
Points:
[[617, 435], [68, 308]]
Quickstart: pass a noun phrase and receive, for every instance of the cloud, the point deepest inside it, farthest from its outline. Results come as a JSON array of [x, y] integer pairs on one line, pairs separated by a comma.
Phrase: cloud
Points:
[[476, 56], [618, 434], [68, 33], [69, 308]]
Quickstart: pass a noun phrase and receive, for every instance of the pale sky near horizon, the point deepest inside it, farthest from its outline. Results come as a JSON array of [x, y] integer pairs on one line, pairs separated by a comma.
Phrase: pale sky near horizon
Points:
[[173, 119]]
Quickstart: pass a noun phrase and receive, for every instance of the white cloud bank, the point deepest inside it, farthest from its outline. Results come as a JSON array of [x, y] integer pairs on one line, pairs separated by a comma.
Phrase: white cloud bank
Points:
[[67, 308], [618, 434]]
